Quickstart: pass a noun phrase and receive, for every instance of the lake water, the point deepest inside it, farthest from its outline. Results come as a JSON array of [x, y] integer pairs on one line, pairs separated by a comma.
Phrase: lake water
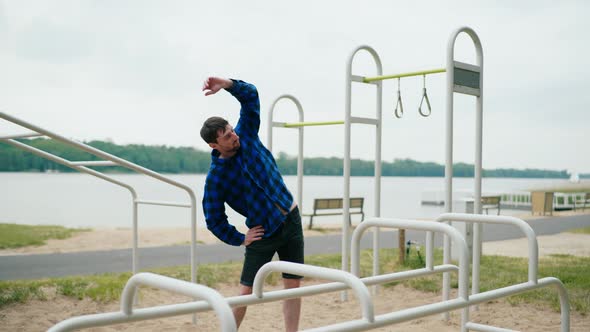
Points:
[[80, 200]]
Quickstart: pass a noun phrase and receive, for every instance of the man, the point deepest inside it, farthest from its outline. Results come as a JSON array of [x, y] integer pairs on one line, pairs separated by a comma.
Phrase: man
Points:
[[244, 175]]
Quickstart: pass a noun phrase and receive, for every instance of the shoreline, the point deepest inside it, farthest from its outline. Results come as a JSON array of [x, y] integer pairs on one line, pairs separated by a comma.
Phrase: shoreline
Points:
[[103, 239]]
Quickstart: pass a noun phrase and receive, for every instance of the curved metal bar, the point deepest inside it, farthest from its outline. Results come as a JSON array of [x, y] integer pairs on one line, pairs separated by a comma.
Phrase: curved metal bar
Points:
[[506, 220], [347, 158], [318, 272], [217, 301], [450, 65], [129, 165], [300, 142], [416, 225], [214, 300]]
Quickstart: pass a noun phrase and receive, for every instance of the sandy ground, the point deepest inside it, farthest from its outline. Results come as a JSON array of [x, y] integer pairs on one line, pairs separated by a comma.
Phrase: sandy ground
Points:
[[317, 310]]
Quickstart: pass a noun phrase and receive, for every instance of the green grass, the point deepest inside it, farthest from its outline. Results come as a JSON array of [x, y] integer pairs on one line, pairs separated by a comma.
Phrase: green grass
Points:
[[496, 272], [15, 236], [584, 230]]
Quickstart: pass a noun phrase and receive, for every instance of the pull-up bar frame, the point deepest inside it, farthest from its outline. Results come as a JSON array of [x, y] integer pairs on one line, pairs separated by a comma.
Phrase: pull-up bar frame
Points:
[[409, 74]]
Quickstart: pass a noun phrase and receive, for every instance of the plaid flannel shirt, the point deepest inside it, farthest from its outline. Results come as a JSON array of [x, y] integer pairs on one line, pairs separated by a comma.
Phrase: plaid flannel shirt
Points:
[[249, 182]]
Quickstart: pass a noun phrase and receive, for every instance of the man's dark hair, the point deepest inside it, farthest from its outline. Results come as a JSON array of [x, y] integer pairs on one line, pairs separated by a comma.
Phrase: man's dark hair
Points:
[[210, 128]]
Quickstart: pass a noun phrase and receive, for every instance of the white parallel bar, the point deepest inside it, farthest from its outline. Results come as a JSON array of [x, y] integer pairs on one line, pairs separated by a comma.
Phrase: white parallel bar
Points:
[[404, 275], [564, 301], [318, 272], [394, 317], [416, 225], [526, 229], [184, 205], [93, 163], [24, 135], [107, 156], [216, 300], [354, 119], [467, 66], [382, 320], [485, 328]]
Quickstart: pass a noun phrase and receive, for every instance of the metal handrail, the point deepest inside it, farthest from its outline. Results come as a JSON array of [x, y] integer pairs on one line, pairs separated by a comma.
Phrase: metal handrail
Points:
[[109, 158], [212, 297]]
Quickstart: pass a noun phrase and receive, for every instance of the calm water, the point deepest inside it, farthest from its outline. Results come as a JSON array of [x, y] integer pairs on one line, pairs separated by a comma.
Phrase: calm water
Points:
[[80, 200]]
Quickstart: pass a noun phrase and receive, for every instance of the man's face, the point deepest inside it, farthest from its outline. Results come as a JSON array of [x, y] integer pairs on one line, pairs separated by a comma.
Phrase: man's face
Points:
[[228, 142]]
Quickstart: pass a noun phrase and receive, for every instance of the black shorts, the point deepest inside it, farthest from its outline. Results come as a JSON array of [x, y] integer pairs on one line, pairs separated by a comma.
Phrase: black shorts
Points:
[[287, 241]]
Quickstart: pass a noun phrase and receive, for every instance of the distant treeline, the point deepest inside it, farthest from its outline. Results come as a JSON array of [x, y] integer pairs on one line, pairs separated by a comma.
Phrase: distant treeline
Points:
[[189, 160]]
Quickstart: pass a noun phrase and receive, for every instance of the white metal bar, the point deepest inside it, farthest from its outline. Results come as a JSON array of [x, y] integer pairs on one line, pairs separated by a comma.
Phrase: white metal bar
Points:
[[526, 229], [416, 225], [121, 162], [23, 135], [184, 205], [359, 325], [485, 328], [67, 163], [369, 121], [127, 314], [353, 282], [300, 140], [93, 163], [217, 301], [451, 88], [405, 275], [348, 120]]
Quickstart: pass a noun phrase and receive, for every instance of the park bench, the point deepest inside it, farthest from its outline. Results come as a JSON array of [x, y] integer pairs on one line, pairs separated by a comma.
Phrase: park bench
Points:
[[491, 202], [333, 207]]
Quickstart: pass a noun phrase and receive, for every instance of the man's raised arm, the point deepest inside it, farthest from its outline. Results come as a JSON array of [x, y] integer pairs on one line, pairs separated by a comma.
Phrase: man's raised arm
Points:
[[214, 84]]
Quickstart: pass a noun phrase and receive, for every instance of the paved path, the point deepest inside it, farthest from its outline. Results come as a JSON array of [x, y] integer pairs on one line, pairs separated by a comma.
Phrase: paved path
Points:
[[85, 263]]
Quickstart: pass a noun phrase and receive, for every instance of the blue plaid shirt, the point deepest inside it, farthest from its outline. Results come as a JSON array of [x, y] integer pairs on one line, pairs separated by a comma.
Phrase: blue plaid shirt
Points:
[[249, 182]]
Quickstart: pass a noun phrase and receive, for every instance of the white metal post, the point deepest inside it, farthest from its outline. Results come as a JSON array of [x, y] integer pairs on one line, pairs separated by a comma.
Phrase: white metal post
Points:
[[478, 92], [348, 120], [272, 124]]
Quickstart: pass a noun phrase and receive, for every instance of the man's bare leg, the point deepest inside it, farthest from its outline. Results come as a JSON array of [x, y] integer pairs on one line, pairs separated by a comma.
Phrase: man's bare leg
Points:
[[240, 312], [292, 307]]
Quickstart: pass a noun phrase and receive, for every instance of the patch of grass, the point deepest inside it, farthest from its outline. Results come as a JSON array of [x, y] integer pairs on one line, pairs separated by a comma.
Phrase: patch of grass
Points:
[[15, 236], [584, 230], [496, 272]]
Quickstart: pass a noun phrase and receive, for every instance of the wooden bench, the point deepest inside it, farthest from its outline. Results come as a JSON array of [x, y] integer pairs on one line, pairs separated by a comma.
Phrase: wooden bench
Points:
[[491, 202], [331, 205]]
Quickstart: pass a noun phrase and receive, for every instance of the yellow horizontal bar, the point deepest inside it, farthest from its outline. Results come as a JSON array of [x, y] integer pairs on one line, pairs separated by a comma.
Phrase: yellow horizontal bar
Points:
[[304, 124], [415, 73]]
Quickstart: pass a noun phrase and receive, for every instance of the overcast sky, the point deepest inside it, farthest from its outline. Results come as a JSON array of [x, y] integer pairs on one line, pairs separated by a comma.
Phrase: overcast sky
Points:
[[131, 72]]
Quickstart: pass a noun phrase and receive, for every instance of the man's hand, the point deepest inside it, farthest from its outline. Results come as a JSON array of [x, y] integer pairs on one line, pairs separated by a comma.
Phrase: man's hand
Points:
[[214, 84], [253, 234]]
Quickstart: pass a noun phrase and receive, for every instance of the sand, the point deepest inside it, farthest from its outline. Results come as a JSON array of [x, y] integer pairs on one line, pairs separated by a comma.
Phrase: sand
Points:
[[317, 310]]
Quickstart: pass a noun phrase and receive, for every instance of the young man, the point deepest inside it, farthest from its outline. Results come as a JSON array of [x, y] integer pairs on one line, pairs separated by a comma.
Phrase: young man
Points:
[[244, 175]]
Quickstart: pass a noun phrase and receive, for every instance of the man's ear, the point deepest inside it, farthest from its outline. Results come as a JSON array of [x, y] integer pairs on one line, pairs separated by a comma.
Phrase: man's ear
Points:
[[213, 145]]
